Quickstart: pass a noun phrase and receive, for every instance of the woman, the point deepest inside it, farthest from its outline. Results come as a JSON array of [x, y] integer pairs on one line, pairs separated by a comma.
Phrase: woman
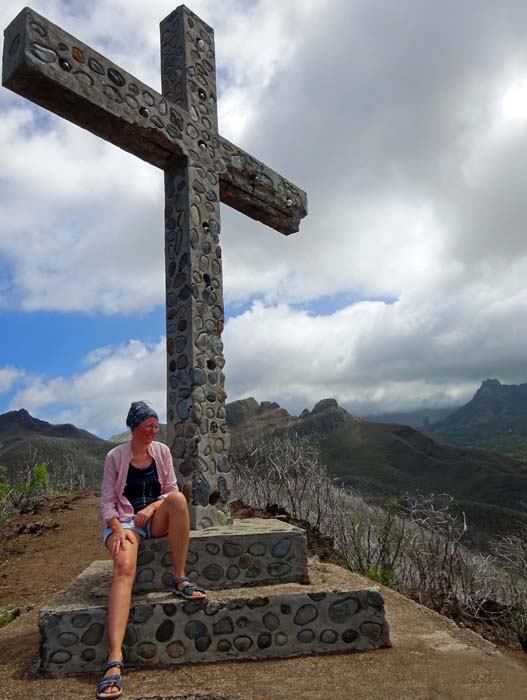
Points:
[[139, 499]]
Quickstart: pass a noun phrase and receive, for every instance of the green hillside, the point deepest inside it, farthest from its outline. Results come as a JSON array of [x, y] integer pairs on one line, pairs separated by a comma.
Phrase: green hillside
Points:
[[495, 418]]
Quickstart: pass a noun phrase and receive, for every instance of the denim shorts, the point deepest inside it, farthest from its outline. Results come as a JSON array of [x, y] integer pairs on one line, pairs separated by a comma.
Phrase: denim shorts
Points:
[[129, 525]]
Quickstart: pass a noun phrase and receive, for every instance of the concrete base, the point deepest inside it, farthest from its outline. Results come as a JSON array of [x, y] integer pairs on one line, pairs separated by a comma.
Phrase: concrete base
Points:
[[265, 622], [250, 552]]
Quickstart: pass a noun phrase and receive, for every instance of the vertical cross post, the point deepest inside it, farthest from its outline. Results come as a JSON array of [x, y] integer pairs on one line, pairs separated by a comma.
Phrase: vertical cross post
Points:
[[196, 422]]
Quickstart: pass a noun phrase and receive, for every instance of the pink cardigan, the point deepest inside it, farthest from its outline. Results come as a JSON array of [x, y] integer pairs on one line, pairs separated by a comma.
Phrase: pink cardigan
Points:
[[113, 502]]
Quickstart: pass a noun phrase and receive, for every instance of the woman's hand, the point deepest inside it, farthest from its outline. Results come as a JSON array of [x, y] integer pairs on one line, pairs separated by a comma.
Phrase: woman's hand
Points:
[[143, 516], [121, 538]]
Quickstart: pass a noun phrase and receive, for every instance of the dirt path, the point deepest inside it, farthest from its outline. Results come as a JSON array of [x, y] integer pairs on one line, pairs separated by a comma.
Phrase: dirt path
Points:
[[432, 659]]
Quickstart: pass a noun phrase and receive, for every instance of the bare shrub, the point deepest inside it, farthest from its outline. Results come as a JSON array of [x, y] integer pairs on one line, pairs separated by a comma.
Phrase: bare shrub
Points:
[[413, 544]]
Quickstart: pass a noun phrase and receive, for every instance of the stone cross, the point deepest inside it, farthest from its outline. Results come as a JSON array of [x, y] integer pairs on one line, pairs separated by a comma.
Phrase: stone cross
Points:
[[176, 131]]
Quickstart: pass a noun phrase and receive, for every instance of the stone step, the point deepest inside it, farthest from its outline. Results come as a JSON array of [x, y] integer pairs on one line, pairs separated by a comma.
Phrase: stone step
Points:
[[283, 620], [250, 552]]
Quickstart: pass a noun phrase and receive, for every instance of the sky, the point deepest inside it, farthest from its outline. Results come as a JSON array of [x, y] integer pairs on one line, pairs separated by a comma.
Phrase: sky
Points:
[[405, 122]]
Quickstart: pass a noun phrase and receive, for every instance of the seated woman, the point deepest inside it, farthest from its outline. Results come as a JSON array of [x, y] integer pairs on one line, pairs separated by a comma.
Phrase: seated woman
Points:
[[139, 499]]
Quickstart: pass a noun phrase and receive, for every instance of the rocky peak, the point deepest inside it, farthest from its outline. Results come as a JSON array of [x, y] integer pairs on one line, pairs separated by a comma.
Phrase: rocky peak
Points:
[[325, 405]]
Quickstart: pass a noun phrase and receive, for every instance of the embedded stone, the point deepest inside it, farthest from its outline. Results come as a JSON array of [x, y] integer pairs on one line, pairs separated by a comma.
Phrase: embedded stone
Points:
[[176, 649], [43, 53], [192, 557], [253, 571], [245, 561], [258, 602], [66, 639], [146, 650], [169, 609], [83, 77], [180, 445], [130, 636], [317, 597], [212, 548], [281, 548], [165, 631], [224, 464], [81, 620], [375, 598], [371, 630], [258, 549], [285, 609], [223, 626], [60, 657], [201, 492], [230, 549], [328, 636], [305, 614], [202, 643], [224, 645], [180, 343], [116, 77], [93, 635], [198, 376], [223, 490], [349, 636], [270, 621], [167, 579], [145, 576], [213, 572], [212, 608], [201, 342], [243, 643], [141, 614], [342, 610], [192, 606], [278, 569], [305, 636], [77, 54], [264, 640], [88, 655], [185, 467], [233, 572], [242, 622], [280, 639], [195, 629]]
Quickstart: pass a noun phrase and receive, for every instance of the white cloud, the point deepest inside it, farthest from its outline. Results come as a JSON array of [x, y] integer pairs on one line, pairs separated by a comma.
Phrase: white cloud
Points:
[[98, 399], [371, 356], [8, 378]]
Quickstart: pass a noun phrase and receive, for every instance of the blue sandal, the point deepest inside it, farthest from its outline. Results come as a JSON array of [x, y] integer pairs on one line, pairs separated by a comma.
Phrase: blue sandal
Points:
[[107, 681], [188, 590]]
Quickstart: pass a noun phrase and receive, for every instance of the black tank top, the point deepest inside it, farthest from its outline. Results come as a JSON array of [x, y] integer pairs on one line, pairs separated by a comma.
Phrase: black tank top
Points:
[[142, 486]]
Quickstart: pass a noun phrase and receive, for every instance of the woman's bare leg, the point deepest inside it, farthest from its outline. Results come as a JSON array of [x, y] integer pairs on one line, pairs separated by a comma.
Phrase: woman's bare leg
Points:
[[172, 517], [124, 567]]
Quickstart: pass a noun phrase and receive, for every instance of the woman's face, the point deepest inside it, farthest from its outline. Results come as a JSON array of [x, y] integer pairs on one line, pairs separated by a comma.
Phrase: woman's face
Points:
[[146, 431]]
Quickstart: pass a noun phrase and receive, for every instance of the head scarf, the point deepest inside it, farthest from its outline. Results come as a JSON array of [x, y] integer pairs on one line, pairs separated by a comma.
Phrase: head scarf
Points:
[[139, 411]]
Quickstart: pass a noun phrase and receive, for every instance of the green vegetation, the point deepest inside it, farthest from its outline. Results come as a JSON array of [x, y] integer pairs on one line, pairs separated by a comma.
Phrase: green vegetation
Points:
[[24, 493], [8, 613], [494, 419]]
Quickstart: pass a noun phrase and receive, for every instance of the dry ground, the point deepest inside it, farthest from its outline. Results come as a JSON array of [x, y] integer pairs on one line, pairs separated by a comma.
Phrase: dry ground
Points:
[[432, 658]]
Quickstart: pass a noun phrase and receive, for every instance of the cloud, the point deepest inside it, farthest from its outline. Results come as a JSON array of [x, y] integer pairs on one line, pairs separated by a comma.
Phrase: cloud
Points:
[[9, 377], [372, 357], [98, 398]]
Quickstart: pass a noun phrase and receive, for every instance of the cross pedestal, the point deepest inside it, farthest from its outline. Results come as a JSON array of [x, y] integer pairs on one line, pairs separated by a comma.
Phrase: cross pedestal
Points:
[[176, 131]]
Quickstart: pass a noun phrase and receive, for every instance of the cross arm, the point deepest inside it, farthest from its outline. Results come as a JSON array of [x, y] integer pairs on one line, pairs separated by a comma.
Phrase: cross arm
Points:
[[47, 65]]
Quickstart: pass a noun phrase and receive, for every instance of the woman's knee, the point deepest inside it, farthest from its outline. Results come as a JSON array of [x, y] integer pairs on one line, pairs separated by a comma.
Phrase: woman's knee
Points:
[[124, 567], [177, 501]]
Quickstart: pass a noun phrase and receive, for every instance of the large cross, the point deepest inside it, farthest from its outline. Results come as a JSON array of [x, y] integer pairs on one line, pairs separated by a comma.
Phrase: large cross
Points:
[[176, 131]]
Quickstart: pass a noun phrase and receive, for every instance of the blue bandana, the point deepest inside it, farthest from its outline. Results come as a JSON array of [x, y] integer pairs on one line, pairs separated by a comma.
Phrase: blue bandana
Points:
[[139, 411]]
